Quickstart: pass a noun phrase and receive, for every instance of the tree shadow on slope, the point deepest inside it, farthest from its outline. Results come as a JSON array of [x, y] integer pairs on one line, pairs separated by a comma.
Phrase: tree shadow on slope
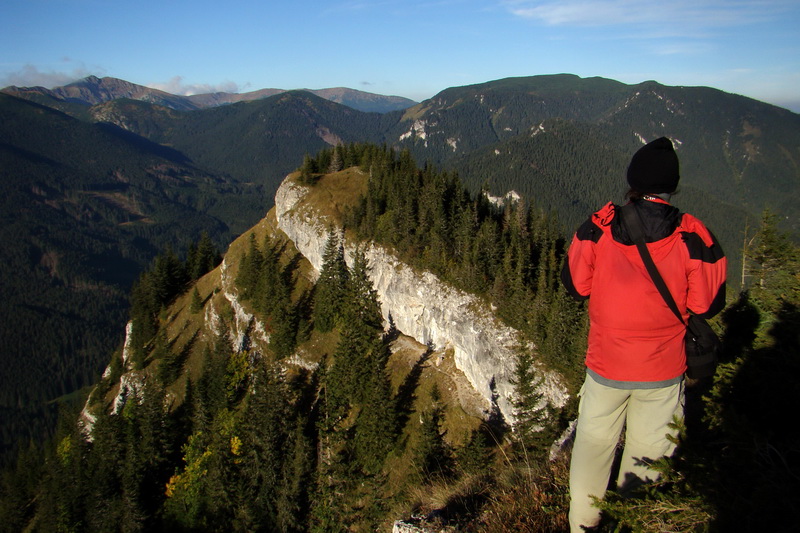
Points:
[[737, 466], [755, 454], [406, 393]]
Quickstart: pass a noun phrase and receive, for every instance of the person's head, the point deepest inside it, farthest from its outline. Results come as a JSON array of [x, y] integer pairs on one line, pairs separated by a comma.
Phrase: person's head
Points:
[[654, 169]]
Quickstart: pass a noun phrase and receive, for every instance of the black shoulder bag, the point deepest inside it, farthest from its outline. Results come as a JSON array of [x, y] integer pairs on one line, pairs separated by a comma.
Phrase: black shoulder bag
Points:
[[702, 344]]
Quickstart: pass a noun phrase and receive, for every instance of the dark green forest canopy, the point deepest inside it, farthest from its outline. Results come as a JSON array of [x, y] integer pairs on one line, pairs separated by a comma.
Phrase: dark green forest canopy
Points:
[[84, 209]]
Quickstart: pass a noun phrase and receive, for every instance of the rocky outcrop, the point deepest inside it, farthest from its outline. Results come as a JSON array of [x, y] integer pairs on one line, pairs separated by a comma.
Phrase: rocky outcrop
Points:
[[401, 526], [422, 306], [129, 384]]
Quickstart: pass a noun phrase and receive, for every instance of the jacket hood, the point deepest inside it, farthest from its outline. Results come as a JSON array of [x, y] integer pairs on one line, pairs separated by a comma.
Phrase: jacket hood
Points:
[[659, 221]]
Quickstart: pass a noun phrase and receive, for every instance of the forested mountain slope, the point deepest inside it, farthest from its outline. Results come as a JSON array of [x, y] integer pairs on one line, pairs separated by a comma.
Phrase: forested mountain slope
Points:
[[565, 141], [280, 392], [561, 141], [85, 207]]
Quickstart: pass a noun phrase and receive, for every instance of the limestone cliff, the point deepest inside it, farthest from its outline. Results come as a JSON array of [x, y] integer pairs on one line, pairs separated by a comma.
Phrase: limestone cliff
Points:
[[419, 304]]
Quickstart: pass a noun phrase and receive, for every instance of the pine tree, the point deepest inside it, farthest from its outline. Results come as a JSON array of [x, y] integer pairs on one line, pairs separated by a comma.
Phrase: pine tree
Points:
[[144, 316], [474, 457], [260, 460], [362, 325], [332, 472], [273, 286], [19, 488], [169, 277], [169, 364], [146, 469], [362, 305], [293, 499], [205, 259], [62, 502], [104, 472]]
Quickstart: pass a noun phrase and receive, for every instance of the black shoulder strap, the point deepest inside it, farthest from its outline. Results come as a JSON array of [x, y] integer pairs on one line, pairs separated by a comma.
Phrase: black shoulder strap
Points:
[[634, 226]]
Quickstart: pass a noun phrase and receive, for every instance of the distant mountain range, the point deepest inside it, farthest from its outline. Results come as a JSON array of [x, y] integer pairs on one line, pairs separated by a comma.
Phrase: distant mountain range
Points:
[[566, 141], [93, 90], [98, 176]]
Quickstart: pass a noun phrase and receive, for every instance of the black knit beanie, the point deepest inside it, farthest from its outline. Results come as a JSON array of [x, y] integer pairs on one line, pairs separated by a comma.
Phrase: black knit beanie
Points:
[[654, 168]]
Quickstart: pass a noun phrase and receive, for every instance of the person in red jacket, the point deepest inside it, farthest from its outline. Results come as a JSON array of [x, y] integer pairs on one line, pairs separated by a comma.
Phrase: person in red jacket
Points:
[[635, 361]]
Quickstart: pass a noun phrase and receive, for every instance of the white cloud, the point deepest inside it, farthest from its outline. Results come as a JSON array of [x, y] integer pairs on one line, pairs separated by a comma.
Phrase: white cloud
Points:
[[176, 85], [697, 13], [683, 48], [31, 76]]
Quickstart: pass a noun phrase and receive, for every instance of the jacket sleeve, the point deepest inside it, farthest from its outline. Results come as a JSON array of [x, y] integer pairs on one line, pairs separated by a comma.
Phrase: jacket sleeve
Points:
[[578, 270], [708, 268]]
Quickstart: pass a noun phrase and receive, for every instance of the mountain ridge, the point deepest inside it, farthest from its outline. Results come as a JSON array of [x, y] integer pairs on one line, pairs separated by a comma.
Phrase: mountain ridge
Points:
[[93, 90], [418, 304], [446, 352]]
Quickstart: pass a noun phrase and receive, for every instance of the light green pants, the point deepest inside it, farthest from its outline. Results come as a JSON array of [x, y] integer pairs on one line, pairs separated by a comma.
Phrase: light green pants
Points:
[[602, 413]]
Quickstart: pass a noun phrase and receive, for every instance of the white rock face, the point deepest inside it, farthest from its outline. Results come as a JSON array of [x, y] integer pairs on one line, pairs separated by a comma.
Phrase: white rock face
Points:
[[400, 526], [423, 307], [246, 327], [246, 332]]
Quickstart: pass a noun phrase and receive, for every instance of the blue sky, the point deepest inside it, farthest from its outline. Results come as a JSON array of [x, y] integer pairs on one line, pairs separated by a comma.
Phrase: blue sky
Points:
[[411, 48]]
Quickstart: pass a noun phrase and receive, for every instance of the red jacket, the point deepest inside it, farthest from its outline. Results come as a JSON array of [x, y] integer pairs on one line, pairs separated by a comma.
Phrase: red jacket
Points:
[[633, 335]]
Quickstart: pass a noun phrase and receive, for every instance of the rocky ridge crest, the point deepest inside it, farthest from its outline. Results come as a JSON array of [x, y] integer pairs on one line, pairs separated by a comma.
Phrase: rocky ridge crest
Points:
[[422, 306]]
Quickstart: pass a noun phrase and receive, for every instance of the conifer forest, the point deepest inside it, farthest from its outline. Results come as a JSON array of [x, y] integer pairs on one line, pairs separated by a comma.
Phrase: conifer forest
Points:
[[216, 437]]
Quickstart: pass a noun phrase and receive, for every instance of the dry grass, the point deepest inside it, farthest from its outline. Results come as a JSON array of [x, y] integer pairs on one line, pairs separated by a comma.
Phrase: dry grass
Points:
[[667, 516], [512, 498], [334, 193], [527, 500], [448, 504]]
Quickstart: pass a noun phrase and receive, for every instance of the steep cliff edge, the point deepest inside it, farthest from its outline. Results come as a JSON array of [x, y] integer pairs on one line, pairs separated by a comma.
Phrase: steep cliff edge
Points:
[[476, 347], [418, 303]]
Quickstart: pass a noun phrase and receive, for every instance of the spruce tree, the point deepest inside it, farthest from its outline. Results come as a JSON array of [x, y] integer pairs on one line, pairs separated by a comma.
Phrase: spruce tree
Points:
[[197, 302], [337, 163], [250, 267], [531, 411], [376, 425], [307, 170], [433, 456], [330, 288], [201, 257]]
